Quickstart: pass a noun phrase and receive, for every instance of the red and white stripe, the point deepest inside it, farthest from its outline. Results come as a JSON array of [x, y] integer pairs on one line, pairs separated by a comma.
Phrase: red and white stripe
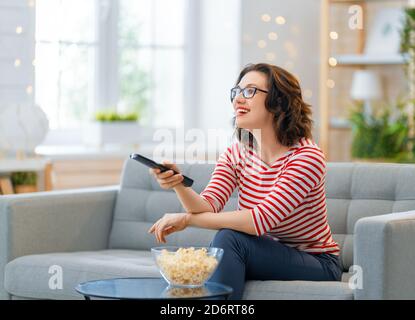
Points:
[[286, 199]]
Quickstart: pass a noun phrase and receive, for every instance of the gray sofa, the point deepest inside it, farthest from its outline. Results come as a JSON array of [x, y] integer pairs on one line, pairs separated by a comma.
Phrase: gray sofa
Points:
[[102, 233]]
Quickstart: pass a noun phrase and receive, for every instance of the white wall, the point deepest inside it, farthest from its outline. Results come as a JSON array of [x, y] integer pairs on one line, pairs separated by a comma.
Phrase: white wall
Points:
[[219, 62], [297, 46], [16, 82]]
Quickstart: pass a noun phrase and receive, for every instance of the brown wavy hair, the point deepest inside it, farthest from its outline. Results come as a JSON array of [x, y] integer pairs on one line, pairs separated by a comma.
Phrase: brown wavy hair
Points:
[[292, 116]]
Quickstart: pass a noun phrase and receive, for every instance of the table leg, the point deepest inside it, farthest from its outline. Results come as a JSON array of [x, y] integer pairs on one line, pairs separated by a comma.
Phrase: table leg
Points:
[[48, 177]]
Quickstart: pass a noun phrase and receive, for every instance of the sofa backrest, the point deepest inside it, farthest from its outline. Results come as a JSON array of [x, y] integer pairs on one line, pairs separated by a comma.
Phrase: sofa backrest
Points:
[[357, 190], [354, 191], [141, 202]]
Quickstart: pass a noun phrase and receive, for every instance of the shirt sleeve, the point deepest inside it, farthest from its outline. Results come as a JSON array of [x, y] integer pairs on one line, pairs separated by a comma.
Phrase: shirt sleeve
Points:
[[223, 180], [302, 174]]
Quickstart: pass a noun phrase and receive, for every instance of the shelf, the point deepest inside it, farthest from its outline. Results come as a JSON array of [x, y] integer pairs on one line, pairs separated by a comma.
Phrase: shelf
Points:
[[11, 165], [42, 166], [339, 123], [371, 59], [358, 59]]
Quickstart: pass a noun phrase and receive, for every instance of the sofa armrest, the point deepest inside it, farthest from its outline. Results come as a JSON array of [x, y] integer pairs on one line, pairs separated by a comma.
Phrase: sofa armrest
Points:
[[384, 248], [57, 221]]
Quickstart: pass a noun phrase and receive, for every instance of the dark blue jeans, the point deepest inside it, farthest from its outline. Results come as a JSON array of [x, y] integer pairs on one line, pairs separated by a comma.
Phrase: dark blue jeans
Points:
[[248, 257]]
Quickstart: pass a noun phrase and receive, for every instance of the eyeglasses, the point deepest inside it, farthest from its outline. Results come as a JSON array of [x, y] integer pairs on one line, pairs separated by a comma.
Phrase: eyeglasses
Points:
[[247, 93]]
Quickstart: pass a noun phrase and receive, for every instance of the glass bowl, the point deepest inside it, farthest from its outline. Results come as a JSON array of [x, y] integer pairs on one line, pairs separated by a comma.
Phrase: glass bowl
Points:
[[187, 267]]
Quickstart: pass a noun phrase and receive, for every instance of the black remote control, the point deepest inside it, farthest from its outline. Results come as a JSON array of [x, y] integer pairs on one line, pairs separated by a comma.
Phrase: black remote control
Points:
[[187, 182]]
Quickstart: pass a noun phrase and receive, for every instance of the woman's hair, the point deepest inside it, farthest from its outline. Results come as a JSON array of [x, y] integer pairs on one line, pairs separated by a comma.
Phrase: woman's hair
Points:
[[292, 116]]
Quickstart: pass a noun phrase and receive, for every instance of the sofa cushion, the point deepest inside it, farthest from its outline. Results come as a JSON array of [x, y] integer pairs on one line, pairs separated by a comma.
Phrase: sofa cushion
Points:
[[298, 290], [29, 276]]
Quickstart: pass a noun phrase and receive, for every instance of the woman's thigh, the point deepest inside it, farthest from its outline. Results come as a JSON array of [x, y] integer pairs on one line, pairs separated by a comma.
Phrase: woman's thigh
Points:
[[269, 259]]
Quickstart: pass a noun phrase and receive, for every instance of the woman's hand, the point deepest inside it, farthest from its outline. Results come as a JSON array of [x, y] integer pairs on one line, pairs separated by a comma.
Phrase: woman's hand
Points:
[[167, 179], [171, 222]]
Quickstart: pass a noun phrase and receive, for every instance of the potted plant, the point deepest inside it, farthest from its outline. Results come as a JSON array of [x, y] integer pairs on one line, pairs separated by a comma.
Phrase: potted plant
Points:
[[113, 127], [381, 136], [24, 182]]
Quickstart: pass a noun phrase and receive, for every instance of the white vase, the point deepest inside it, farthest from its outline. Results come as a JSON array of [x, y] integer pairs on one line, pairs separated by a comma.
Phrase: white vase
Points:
[[22, 127]]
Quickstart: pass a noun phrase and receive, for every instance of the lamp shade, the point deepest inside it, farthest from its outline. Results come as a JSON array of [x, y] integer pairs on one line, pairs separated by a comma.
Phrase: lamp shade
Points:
[[22, 127], [366, 85]]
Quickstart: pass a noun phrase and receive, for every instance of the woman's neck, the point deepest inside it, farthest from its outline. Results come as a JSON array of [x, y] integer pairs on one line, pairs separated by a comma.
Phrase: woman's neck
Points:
[[269, 148]]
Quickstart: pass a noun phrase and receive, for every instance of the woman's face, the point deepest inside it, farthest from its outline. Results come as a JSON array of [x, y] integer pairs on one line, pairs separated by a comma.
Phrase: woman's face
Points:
[[251, 112]]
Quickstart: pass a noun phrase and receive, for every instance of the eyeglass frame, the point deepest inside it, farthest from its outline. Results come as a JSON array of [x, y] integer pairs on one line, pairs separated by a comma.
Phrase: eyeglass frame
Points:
[[243, 92]]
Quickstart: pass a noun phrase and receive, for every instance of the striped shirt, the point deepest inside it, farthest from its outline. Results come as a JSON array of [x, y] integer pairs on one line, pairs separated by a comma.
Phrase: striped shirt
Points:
[[286, 199]]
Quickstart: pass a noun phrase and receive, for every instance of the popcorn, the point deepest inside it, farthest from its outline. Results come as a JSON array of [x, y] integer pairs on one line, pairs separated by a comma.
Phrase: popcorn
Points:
[[186, 266]]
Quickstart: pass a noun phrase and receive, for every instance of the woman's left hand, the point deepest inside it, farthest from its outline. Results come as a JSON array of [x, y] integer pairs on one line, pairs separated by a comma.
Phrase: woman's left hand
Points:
[[171, 222]]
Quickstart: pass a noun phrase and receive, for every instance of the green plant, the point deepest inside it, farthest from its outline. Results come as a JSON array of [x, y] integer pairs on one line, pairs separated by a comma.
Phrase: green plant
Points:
[[380, 135], [24, 178], [111, 115], [408, 27], [408, 47]]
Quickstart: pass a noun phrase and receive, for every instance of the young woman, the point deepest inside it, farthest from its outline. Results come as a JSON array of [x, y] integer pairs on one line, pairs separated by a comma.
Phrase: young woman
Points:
[[280, 230]]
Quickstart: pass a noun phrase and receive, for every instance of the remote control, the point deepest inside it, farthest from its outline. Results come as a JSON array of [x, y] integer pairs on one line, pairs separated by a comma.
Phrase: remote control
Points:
[[187, 182]]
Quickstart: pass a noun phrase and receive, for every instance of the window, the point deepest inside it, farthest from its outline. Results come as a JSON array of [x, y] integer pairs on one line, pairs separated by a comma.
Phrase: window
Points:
[[65, 60], [78, 57], [151, 68]]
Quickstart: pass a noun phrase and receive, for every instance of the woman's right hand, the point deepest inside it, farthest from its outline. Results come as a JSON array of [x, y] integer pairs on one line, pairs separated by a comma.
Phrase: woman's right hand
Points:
[[167, 179]]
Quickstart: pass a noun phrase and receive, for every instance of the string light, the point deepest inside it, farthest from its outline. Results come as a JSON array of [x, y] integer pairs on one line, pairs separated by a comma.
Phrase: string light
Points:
[[19, 29], [330, 83], [266, 18], [334, 35], [34, 62], [280, 20], [270, 56], [272, 36], [262, 44], [308, 93], [295, 30], [29, 90], [291, 49], [17, 63], [31, 3], [332, 61]]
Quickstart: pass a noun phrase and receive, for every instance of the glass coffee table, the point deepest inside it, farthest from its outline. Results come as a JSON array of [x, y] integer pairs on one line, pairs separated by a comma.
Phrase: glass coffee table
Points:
[[149, 288]]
